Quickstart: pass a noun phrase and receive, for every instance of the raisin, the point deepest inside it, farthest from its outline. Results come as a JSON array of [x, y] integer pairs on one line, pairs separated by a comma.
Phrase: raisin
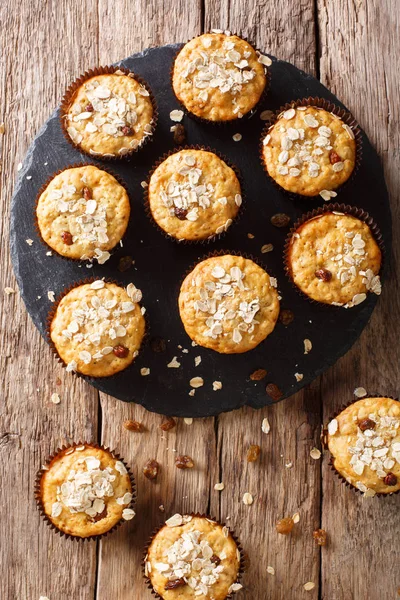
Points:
[[253, 453], [285, 526], [215, 559], [120, 351], [180, 213], [89, 107], [179, 134], [174, 583], [366, 424], [157, 344], [334, 157], [258, 374], [273, 391], [280, 220], [87, 193], [286, 316], [66, 238], [170, 423], [390, 479], [184, 462], [131, 425], [101, 515], [323, 274], [150, 469], [319, 536], [125, 263], [127, 130]]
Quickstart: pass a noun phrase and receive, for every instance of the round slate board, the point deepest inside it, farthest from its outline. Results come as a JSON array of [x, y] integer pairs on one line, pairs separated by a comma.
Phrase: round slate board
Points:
[[160, 264]]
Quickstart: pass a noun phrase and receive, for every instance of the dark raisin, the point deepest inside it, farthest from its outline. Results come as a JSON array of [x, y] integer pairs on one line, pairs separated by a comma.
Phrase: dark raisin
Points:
[[179, 134], [89, 107], [157, 344], [323, 274], [258, 374], [87, 193], [334, 157], [120, 351], [319, 536], [180, 213], [170, 423], [286, 316], [131, 425], [215, 559], [174, 583], [285, 526], [273, 391], [390, 479], [184, 462], [127, 130], [125, 263], [253, 453], [66, 238], [366, 424], [150, 469], [280, 220]]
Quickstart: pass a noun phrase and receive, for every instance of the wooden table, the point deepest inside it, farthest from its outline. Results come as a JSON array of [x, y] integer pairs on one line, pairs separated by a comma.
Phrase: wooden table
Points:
[[352, 47]]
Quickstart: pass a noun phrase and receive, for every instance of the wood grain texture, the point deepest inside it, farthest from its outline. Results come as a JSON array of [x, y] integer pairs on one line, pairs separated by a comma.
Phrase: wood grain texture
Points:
[[358, 44]]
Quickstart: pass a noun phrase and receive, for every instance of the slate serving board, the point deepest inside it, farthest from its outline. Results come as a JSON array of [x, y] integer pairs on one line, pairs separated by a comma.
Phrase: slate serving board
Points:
[[161, 264]]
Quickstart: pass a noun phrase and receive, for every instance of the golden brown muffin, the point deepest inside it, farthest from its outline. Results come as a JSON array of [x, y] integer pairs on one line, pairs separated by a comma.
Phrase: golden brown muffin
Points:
[[309, 151], [229, 304], [333, 258], [85, 491], [83, 213], [109, 115], [364, 440], [193, 558], [194, 195], [98, 327], [219, 77]]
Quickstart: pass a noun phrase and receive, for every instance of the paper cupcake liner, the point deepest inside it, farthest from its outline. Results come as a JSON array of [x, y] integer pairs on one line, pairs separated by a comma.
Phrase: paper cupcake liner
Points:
[[53, 311], [353, 211], [46, 184], [324, 441], [216, 236], [250, 113], [70, 93], [39, 503], [242, 563], [344, 115]]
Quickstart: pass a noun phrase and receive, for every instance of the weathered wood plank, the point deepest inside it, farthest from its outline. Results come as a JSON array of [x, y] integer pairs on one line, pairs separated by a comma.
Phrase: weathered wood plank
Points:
[[358, 44], [41, 48]]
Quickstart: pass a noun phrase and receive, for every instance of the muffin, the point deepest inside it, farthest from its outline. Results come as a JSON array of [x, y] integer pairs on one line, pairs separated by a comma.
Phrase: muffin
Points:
[[108, 114], [219, 77], [229, 304], [193, 195], [84, 491], [333, 258], [97, 328], [83, 213], [364, 440], [193, 557], [309, 151]]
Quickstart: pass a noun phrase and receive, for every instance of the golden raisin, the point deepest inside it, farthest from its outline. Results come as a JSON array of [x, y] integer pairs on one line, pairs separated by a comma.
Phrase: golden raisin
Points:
[[120, 351], [168, 424], [280, 220], [286, 316], [258, 374], [273, 391], [366, 424], [253, 453], [150, 469], [179, 134], [334, 157], [174, 583], [131, 425], [319, 536], [285, 526], [184, 462], [67, 238], [125, 263], [87, 193]]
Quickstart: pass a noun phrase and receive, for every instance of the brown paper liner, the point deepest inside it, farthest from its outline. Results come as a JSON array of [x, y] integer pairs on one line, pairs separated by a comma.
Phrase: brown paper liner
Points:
[[53, 311], [250, 113], [242, 563], [70, 93], [216, 236], [353, 211], [46, 184], [324, 441], [344, 115], [39, 503]]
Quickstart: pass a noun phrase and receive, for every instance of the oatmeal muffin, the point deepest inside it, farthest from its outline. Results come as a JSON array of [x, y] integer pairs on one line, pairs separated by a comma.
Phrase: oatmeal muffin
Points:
[[193, 557], [97, 328], [219, 77], [108, 114], [333, 258], [83, 213], [229, 304], [85, 491], [364, 440], [309, 151], [193, 195]]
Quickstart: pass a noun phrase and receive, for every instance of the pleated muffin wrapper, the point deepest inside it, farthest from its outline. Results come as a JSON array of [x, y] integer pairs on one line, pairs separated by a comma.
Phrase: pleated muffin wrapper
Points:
[[316, 102], [68, 98], [243, 560], [251, 112], [324, 443], [51, 315], [214, 237], [345, 209], [38, 493], [47, 183]]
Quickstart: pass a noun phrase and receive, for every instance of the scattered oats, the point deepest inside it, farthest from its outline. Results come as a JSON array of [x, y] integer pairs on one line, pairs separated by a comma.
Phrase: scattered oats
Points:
[[289, 465], [192, 392], [161, 508], [237, 137], [128, 514], [49, 253], [174, 521], [144, 184], [51, 296], [271, 570], [360, 392], [296, 518], [197, 361], [219, 487], [309, 586], [145, 371], [2, 128], [265, 60], [174, 364], [176, 115], [196, 382], [266, 248], [333, 427], [327, 194], [217, 385], [235, 587], [289, 114], [19, 166], [247, 499], [8, 291], [44, 598], [265, 426], [97, 285], [266, 115], [315, 453], [55, 398], [29, 177], [307, 346], [29, 242], [299, 376], [250, 236], [188, 421]]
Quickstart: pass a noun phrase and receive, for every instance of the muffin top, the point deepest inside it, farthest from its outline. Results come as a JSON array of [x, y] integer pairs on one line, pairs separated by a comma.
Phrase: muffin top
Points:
[[219, 77], [193, 557], [229, 304], [109, 114], [98, 327], [194, 195], [334, 258], [309, 151], [364, 440], [83, 213], [85, 491]]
